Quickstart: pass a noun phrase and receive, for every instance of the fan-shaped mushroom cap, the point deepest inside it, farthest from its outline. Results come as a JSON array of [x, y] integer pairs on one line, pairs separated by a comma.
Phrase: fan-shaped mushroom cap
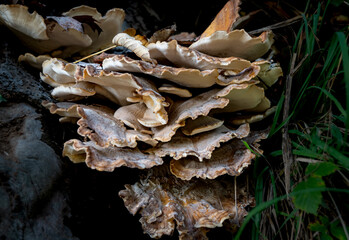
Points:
[[241, 97], [110, 25], [73, 91], [200, 125], [237, 43], [182, 76], [33, 61], [139, 117], [171, 89], [68, 110], [200, 145], [269, 72], [109, 158], [188, 77], [182, 56], [163, 34], [23, 23], [183, 38], [60, 71], [262, 106], [64, 34], [120, 88], [231, 158], [251, 118], [234, 97], [125, 86], [84, 10], [43, 36], [193, 207], [103, 129], [191, 108], [131, 115]]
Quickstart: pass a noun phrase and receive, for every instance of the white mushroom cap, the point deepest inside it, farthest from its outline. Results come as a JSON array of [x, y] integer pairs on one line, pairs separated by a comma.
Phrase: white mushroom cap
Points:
[[237, 43], [19, 20], [110, 25]]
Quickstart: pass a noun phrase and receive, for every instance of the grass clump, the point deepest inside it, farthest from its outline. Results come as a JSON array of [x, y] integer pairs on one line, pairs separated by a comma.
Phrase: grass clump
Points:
[[315, 126]]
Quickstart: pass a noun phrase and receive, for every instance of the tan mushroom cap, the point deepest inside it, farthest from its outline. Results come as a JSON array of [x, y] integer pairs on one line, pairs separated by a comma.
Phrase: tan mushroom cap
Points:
[[262, 106], [252, 118], [73, 91], [71, 37], [237, 43], [201, 145], [34, 61], [162, 34], [188, 77], [109, 158], [43, 36], [126, 87], [181, 76], [110, 25], [231, 158], [186, 57], [171, 89], [21, 22], [183, 38], [192, 108], [60, 71], [269, 72], [105, 130], [50, 35], [68, 110], [241, 97], [200, 125], [131, 115], [229, 99], [121, 88], [192, 207]]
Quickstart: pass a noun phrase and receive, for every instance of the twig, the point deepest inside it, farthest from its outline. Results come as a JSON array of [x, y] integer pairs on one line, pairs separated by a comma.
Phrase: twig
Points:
[[307, 160], [345, 178], [339, 215], [236, 203], [96, 53], [277, 25], [287, 155], [299, 225]]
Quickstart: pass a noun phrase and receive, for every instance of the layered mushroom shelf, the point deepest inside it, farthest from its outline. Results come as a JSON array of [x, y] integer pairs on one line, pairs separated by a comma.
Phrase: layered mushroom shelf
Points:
[[177, 106]]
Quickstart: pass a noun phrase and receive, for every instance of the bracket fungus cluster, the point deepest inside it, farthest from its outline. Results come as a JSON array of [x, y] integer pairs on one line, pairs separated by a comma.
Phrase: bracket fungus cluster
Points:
[[185, 107]]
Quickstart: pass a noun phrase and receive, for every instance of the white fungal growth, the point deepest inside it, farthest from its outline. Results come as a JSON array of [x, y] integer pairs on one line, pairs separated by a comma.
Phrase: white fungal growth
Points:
[[136, 46]]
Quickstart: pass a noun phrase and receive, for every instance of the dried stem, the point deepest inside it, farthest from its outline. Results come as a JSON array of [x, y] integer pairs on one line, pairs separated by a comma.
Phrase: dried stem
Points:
[[287, 155], [340, 216], [96, 53]]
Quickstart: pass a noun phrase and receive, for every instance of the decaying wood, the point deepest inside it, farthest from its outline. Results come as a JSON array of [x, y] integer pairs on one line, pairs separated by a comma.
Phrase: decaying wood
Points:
[[224, 19]]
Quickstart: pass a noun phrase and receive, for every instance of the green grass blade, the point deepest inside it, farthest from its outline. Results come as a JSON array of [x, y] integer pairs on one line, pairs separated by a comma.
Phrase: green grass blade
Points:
[[333, 98], [267, 204], [289, 217], [277, 115], [259, 200], [345, 56], [340, 157]]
